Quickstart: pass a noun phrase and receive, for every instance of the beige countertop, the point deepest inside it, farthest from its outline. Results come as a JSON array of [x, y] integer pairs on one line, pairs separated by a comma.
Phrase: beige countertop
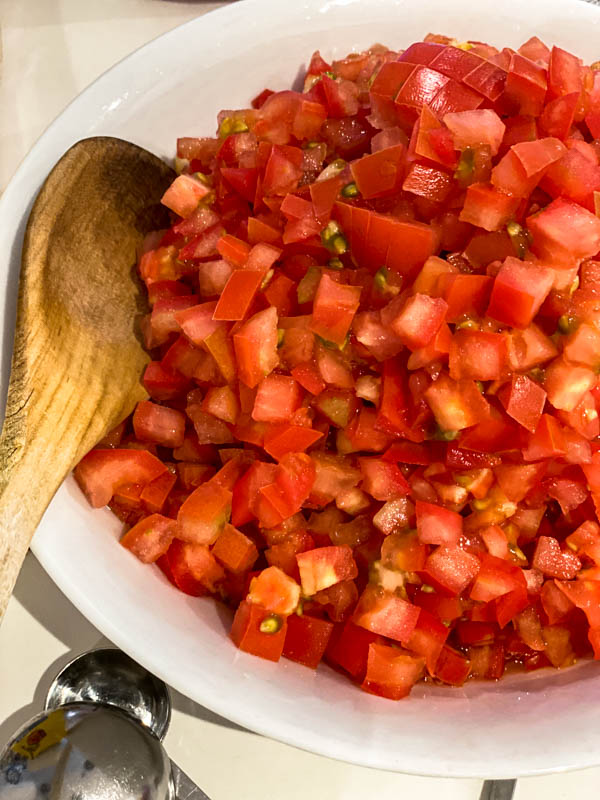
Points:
[[49, 51]]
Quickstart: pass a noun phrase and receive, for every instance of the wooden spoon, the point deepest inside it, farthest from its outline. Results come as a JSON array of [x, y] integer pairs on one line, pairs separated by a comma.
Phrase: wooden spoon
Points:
[[77, 360]]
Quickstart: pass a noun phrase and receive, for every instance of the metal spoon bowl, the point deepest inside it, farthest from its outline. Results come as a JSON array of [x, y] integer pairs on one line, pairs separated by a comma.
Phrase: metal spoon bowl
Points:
[[109, 677]]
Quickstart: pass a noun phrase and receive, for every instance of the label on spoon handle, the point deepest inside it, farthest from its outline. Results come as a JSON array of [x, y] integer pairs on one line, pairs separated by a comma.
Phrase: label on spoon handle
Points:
[[185, 788]]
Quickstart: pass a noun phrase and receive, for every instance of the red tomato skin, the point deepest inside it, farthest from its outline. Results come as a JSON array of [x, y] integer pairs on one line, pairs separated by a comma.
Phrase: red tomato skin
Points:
[[524, 401], [518, 292], [451, 569], [101, 472], [348, 648], [325, 566], [438, 525], [306, 639], [150, 538], [204, 514], [391, 673], [418, 320], [159, 424], [452, 667], [334, 308], [478, 355], [386, 614], [234, 550], [246, 634]]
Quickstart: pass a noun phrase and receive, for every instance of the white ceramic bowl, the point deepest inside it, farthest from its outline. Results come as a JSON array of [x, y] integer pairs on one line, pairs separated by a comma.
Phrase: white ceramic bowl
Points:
[[175, 86]]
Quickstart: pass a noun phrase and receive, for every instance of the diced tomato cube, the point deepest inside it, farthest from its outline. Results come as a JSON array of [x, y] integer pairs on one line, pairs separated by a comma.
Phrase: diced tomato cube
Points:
[[306, 639], [525, 85], [386, 614], [566, 384], [564, 232], [349, 649], [428, 638], [160, 424], [519, 290], [255, 346], [193, 568], [451, 569], [456, 404], [184, 194], [586, 596], [235, 550], [274, 590], [438, 525], [382, 479], [203, 515], [390, 672], [150, 538], [487, 208], [464, 294], [452, 667], [476, 127], [524, 401], [583, 347], [418, 320], [495, 578], [101, 472], [237, 296], [325, 566], [552, 561], [478, 355], [334, 307], [547, 441], [258, 631], [277, 398], [380, 173]]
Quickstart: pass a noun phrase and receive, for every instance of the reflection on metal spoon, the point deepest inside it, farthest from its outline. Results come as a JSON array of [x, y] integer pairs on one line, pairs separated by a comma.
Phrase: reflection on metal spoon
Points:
[[498, 790], [98, 737], [111, 678]]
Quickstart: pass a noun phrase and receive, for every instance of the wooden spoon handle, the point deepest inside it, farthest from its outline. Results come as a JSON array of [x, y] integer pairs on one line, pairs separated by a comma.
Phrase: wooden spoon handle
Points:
[[31, 469], [38, 447]]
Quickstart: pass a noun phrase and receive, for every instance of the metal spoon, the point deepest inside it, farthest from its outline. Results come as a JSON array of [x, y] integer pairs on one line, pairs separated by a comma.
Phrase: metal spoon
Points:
[[102, 709], [498, 790]]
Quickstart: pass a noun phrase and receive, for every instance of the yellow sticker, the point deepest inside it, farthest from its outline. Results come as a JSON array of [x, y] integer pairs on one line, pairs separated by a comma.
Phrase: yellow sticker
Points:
[[44, 735]]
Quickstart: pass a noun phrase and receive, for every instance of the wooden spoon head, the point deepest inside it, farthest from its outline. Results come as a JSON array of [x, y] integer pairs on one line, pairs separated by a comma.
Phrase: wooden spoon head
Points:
[[77, 360], [80, 295]]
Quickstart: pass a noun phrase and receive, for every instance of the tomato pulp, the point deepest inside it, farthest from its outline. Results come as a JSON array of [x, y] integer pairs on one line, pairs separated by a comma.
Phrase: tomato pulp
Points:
[[372, 425]]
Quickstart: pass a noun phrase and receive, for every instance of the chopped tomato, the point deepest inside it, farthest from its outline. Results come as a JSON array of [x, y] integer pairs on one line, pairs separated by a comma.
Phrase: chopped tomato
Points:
[[255, 346], [324, 567], [334, 308], [519, 290], [418, 320], [438, 525], [374, 334], [203, 515], [306, 639], [258, 631], [154, 423], [150, 538], [101, 472], [385, 613], [390, 672], [274, 590], [235, 550], [456, 404]]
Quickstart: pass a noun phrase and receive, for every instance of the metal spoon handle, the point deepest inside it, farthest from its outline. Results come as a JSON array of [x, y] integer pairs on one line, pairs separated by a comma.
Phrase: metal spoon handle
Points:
[[498, 790], [185, 788]]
